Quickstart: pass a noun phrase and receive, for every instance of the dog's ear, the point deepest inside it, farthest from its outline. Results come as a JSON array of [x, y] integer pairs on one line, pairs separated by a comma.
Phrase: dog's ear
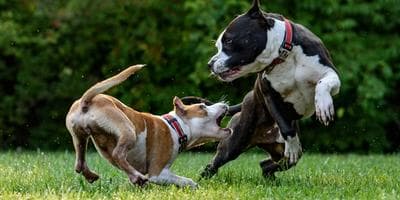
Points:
[[255, 11], [179, 107]]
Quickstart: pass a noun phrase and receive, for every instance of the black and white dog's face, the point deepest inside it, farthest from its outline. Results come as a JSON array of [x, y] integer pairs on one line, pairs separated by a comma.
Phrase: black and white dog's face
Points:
[[240, 44]]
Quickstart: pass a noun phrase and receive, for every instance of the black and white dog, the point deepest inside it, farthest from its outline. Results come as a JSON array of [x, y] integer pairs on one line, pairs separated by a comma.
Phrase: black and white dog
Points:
[[296, 78]]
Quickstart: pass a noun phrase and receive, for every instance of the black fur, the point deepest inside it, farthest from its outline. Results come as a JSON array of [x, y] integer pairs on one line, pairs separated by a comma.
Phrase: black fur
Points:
[[248, 35], [311, 45], [244, 40]]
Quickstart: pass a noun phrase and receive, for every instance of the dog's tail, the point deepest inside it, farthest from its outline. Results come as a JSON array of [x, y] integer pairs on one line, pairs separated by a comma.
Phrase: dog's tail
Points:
[[103, 86]]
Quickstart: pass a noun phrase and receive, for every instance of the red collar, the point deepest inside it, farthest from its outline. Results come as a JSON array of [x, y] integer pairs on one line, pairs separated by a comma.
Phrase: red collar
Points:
[[173, 122], [285, 48]]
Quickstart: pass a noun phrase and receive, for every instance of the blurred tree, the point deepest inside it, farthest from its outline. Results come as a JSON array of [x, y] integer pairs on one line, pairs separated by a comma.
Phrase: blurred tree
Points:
[[52, 51]]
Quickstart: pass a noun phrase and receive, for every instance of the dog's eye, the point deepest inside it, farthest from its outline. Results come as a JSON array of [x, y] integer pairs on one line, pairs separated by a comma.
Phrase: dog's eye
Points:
[[228, 41], [203, 107]]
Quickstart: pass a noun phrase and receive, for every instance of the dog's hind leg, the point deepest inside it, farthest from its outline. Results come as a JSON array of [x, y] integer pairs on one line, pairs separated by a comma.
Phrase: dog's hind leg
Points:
[[80, 139], [277, 161]]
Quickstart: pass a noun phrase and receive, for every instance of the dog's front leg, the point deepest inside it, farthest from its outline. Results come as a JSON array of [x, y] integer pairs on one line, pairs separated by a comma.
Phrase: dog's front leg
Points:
[[293, 148], [287, 126], [167, 177], [124, 132], [119, 156], [326, 87]]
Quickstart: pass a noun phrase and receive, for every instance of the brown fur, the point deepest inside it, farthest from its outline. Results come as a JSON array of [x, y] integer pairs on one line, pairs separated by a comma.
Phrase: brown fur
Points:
[[195, 111], [112, 126], [135, 142]]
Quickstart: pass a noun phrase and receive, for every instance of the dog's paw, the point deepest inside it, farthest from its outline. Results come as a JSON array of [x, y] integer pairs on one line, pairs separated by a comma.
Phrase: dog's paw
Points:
[[138, 179], [324, 108], [269, 167], [293, 149], [190, 183], [208, 172], [90, 176]]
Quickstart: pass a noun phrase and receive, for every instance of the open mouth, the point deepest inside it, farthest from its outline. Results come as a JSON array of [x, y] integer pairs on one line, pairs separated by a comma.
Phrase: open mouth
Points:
[[219, 119], [229, 72], [227, 131]]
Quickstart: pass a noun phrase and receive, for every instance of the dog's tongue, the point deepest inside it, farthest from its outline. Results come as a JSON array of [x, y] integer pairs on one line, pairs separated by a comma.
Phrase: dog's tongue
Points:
[[232, 71], [229, 72]]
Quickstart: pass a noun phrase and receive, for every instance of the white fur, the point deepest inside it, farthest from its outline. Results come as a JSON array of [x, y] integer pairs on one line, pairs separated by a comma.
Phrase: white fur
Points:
[[175, 136], [219, 63], [203, 127], [220, 58], [293, 149], [213, 111], [280, 139], [193, 128], [295, 79], [327, 86], [140, 148], [103, 120], [275, 38], [301, 80], [167, 177]]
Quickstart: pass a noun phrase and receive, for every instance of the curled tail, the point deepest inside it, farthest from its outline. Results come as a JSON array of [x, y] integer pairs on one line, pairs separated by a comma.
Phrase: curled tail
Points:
[[103, 86]]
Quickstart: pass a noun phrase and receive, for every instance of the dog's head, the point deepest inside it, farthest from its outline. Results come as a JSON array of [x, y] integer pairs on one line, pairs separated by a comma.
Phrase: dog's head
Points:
[[204, 121], [240, 44]]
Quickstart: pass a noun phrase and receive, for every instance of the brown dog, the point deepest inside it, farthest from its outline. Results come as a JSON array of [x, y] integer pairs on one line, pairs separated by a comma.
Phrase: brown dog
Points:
[[141, 144]]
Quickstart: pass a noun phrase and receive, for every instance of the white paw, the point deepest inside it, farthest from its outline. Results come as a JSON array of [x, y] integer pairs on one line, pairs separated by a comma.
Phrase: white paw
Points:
[[189, 182], [293, 149], [324, 108]]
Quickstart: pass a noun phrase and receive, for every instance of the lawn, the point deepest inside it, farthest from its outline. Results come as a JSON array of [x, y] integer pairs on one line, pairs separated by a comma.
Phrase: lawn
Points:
[[49, 175]]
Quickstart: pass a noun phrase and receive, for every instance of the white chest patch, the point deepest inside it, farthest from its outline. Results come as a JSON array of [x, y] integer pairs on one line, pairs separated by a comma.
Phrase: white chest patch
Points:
[[296, 78], [175, 138]]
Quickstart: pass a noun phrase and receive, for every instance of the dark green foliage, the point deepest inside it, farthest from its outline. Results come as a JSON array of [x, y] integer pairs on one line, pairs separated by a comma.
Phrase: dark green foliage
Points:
[[52, 51]]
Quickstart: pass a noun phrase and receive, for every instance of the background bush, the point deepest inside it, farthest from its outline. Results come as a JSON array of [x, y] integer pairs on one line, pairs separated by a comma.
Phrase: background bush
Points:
[[52, 51]]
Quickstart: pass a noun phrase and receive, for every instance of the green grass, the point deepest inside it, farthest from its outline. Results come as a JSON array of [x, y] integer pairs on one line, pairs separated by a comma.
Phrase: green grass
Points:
[[43, 175]]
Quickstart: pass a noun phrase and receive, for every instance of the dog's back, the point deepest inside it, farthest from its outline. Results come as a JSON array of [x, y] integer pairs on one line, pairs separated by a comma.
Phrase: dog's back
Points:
[[102, 118]]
